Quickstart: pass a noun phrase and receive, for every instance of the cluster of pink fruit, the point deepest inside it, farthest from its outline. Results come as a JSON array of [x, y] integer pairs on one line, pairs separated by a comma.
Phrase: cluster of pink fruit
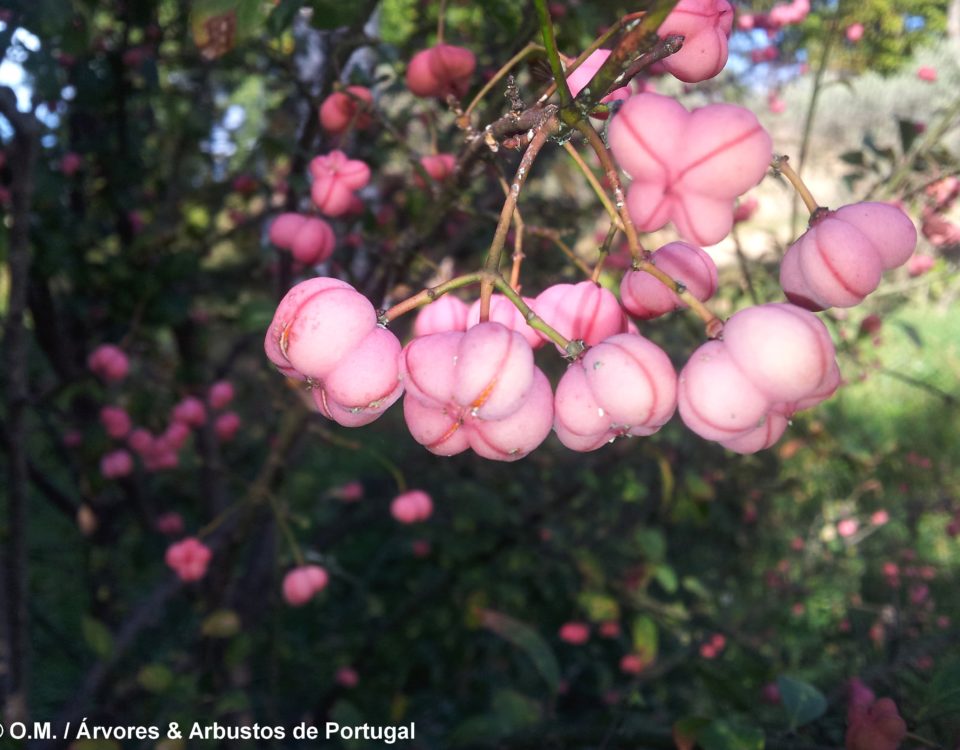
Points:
[[156, 451]]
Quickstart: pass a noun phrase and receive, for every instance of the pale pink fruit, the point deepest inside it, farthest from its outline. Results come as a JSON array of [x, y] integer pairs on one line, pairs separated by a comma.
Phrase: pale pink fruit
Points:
[[109, 363], [189, 559], [448, 313], [927, 73], [335, 178], [170, 524], [349, 492], [688, 167], [776, 104], [839, 260], [575, 633], [919, 264], [878, 726], [116, 464], [302, 583], [220, 394], [190, 411], [115, 421], [705, 26], [503, 311], [428, 368], [517, 435], [584, 311], [316, 325], [227, 425], [175, 436], [784, 350], [314, 242], [412, 506], [646, 297], [494, 371], [760, 437], [340, 109], [587, 70], [364, 383], [625, 385], [610, 629], [847, 527], [854, 32], [781, 15], [438, 166], [441, 71], [285, 227], [879, 518], [715, 398]]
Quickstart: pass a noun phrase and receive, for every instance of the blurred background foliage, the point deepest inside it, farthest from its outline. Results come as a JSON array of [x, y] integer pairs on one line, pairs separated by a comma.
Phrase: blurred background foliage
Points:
[[831, 556]]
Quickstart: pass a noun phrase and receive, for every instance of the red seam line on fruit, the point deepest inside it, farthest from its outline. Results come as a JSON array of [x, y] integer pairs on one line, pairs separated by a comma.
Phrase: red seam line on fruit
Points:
[[485, 393], [283, 340], [592, 319], [639, 138], [650, 379], [833, 272], [328, 182], [722, 147], [710, 423], [686, 215], [480, 437], [447, 435], [676, 12], [411, 376]]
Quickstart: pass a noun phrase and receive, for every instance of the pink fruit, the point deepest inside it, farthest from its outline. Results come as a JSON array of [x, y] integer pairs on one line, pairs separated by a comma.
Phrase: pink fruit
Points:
[[839, 260], [190, 411], [927, 73], [632, 664], [854, 32], [340, 109], [438, 166], [705, 26], [745, 209], [646, 297], [448, 313], [170, 524], [584, 311], [503, 311], [284, 228], [587, 70], [175, 436], [919, 264], [412, 506], [575, 633], [441, 71], [876, 727], [70, 163], [115, 421], [515, 436], [317, 323], [785, 351], [847, 527], [189, 559], [625, 385], [335, 178], [688, 167], [227, 425], [715, 398], [364, 383], [349, 492], [347, 677], [116, 464], [220, 394], [109, 363], [759, 438], [301, 584]]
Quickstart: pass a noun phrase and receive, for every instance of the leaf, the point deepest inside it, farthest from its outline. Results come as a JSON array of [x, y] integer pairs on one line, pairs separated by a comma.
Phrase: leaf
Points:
[[599, 606], [943, 697], [514, 710], [224, 623], [853, 157], [651, 544], [332, 14], [217, 25], [801, 700], [155, 678], [645, 638], [667, 578], [527, 640], [908, 133], [98, 637], [912, 333], [723, 734]]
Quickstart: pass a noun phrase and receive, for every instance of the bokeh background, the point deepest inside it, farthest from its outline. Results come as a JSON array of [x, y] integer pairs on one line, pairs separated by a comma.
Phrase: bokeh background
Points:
[[146, 147]]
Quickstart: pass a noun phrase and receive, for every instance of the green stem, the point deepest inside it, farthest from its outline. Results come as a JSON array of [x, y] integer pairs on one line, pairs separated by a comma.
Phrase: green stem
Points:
[[553, 55], [426, 296], [573, 349]]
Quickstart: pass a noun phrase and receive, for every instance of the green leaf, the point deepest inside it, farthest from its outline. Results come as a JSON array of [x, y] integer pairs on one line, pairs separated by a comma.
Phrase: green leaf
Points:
[[224, 623], [98, 637], [667, 578], [908, 133], [645, 638], [912, 333], [155, 678], [514, 710], [599, 606], [943, 697], [527, 640], [801, 700], [332, 14], [723, 734], [852, 157], [651, 544]]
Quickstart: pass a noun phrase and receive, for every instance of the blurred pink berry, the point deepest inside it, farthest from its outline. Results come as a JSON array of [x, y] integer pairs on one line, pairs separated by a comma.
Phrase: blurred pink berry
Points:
[[109, 363], [220, 394], [116, 464], [349, 492], [770, 694], [776, 104], [745, 209], [879, 518], [115, 421], [310, 240], [441, 71], [70, 163], [72, 438], [438, 166], [174, 437], [609, 629], [632, 664], [412, 506], [919, 264], [189, 559], [877, 726], [575, 633], [335, 178], [705, 26], [170, 524], [855, 32], [302, 583], [343, 108], [420, 548], [190, 411], [847, 527], [927, 73], [347, 677], [227, 425]]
